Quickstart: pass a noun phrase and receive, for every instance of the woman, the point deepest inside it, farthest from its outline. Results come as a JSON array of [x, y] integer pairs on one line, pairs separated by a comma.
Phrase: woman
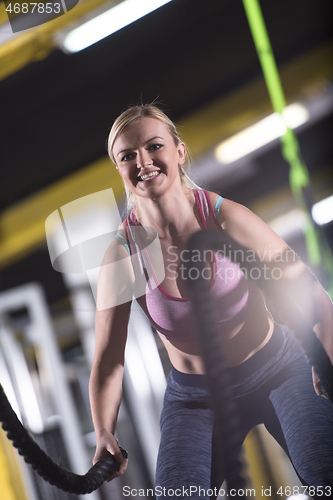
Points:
[[271, 377]]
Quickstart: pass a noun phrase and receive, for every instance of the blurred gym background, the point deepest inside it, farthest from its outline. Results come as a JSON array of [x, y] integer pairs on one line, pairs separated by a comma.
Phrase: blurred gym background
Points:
[[198, 60]]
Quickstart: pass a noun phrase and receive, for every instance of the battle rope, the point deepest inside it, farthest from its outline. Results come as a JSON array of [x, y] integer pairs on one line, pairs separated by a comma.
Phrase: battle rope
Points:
[[44, 465], [227, 424], [208, 339]]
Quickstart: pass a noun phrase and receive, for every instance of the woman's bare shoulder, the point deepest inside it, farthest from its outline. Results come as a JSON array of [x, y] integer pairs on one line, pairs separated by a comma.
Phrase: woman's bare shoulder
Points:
[[116, 248], [122, 228], [213, 197], [233, 213]]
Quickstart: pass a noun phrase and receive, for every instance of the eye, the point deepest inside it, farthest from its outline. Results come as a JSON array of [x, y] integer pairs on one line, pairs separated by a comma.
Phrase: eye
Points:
[[127, 157], [155, 146]]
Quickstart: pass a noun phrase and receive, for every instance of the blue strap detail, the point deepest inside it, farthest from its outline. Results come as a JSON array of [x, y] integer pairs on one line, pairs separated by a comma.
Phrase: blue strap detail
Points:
[[123, 242], [217, 208]]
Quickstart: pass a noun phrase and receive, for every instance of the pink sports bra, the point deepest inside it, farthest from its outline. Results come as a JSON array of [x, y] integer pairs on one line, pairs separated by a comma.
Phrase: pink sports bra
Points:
[[233, 294]]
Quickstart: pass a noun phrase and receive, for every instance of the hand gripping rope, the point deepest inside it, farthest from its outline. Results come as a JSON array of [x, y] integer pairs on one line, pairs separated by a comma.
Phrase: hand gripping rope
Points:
[[208, 339], [44, 465]]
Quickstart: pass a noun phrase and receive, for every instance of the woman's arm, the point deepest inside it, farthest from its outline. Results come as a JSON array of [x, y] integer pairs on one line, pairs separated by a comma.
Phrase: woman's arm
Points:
[[105, 386], [291, 273], [111, 323]]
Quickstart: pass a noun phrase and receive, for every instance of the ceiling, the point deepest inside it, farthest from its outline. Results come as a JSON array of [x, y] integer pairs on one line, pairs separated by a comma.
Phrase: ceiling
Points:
[[197, 58]]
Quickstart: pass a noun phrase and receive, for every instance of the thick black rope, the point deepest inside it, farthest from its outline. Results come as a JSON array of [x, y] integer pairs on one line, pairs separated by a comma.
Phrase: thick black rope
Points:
[[208, 338], [44, 465], [227, 424]]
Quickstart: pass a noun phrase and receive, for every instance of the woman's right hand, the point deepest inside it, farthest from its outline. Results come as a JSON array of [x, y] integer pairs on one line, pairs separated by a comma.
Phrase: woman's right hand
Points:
[[109, 444]]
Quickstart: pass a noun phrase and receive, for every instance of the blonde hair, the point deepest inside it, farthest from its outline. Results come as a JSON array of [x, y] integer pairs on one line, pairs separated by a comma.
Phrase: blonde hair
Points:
[[134, 113]]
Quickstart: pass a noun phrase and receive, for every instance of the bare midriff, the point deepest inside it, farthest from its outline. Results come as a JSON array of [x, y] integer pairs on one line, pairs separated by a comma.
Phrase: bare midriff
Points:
[[239, 344]]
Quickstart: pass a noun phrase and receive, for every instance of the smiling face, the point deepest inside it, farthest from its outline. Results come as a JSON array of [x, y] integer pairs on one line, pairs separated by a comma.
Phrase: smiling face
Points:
[[147, 157]]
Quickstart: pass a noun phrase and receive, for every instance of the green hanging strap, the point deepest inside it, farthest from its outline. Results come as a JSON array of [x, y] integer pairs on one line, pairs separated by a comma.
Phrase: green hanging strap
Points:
[[299, 179]]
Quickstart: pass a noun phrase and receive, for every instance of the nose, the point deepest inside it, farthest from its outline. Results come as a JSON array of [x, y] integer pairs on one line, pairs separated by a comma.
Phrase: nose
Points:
[[143, 159]]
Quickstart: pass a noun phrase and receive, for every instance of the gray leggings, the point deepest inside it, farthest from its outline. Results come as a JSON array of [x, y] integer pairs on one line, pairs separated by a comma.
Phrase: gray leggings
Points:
[[274, 387]]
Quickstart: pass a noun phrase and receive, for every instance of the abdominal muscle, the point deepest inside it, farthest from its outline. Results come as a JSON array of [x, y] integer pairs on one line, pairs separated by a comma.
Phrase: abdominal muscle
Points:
[[239, 344]]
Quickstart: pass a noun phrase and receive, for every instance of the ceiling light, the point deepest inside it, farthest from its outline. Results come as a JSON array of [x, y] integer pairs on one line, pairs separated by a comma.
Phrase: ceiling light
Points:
[[263, 132], [109, 22], [322, 212]]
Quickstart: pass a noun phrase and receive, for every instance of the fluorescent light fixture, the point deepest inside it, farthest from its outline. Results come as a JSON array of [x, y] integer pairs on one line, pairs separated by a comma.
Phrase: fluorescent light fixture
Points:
[[298, 497], [322, 212], [263, 132], [109, 22]]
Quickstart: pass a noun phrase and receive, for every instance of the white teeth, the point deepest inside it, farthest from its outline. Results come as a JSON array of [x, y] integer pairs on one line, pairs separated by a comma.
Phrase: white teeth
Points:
[[148, 176]]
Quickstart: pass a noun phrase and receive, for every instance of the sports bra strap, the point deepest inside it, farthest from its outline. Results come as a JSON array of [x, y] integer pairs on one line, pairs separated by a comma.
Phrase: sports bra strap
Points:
[[123, 241], [217, 208]]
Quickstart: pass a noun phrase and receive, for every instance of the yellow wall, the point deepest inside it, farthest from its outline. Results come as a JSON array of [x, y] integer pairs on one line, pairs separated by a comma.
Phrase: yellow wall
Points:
[[11, 482]]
